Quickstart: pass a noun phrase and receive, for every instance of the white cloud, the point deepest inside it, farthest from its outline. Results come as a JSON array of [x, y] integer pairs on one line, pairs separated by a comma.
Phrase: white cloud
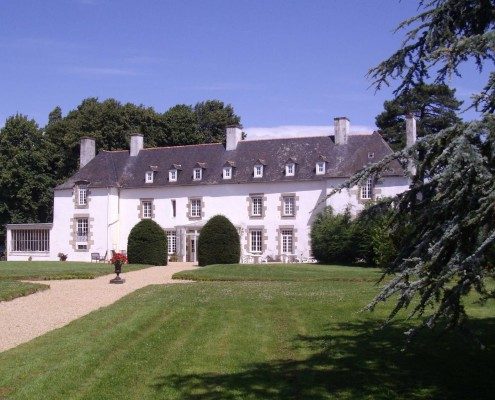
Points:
[[290, 131]]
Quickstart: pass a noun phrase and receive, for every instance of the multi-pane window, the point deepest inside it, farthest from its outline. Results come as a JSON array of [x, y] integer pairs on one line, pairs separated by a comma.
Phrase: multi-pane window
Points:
[[288, 206], [227, 172], [171, 242], [172, 175], [257, 206], [197, 174], [82, 195], [195, 208], [367, 189], [31, 240], [320, 168], [148, 177], [82, 230], [287, 241], [147, 209], [256, 239], [290, 169], [258, 171]]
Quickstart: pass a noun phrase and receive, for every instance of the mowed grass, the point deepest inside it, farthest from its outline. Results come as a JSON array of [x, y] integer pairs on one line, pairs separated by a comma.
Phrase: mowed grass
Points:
[[249, 340], [46, 270], [11, 289]]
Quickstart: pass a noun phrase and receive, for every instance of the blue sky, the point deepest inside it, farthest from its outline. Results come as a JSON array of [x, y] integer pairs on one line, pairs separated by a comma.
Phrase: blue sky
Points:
[[279, 63]]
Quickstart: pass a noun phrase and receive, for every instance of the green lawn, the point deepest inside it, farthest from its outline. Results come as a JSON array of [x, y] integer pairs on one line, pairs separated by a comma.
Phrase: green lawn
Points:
[[46, 270], [274, 340], [11, 289]]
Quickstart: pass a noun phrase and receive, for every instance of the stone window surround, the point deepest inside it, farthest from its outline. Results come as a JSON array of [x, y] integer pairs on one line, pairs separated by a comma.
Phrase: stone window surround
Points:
[[140, 208], [75, 197], [189, 206], [264, 238], [280, 208], [375, 192], [249, 200], [73, 232], [279, 236]]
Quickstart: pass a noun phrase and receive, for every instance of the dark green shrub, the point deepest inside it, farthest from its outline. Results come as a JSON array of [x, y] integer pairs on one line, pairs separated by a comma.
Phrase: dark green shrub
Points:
[[218, 242], [147, 244], [332, 237]]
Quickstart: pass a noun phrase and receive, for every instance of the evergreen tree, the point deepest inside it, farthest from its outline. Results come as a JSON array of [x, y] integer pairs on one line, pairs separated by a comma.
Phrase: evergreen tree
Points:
[[445, 252], [434, 107]]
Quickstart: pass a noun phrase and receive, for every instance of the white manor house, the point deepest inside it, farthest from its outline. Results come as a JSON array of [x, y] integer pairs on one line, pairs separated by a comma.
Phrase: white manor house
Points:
[[271, 190]]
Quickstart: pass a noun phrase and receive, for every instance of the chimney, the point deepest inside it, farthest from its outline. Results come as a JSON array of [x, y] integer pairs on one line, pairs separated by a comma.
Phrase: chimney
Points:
[[136, 144], [410, 130], [233, 136], [341, 131], [87, 150]]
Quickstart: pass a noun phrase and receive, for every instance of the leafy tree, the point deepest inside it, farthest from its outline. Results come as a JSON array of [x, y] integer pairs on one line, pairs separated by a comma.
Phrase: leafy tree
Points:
[[181, 126], [25, 177], [218, 242], [451, 200], [147, 244], [434, 106], [213, 116]]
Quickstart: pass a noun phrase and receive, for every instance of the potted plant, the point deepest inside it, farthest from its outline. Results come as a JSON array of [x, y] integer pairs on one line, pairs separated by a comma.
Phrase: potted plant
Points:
[[118, 259]]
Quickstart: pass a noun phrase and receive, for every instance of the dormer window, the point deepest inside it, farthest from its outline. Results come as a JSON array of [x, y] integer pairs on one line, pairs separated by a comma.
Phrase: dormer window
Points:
[[82, 195], [371, 155], [290, 169], [258, 171], [227, 172], [320, 168], [148, 177], [197, 174], [172, 175]]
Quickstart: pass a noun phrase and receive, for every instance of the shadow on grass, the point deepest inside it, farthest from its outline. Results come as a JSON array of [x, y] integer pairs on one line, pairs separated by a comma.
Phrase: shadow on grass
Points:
[[357, 361]]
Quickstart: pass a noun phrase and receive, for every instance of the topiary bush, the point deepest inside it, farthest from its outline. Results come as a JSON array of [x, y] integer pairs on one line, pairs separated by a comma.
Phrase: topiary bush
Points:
[[147, 244], [218, 242]]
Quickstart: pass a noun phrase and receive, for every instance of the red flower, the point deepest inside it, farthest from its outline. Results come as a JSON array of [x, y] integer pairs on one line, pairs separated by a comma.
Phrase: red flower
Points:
[[119, 257]]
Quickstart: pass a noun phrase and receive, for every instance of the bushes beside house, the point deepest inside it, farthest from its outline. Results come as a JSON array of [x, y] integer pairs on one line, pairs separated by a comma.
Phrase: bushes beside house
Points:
[[218, 242], [147, 244]]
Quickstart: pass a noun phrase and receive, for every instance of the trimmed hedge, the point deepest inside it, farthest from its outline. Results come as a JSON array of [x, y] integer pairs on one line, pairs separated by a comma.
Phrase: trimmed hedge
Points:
[[218, 242], [147, 244]]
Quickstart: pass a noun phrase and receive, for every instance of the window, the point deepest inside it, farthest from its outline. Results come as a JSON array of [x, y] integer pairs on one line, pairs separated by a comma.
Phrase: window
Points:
[[288, 208], [171, 242], [256, 206], [290, 169], [172, 175], [147, 209], [31, 240], [148, 178], [82, 230], [371, 155], [367, 189], [82, 195], [174, 208], [258, 171], [287, 241], [196, 208], [227, 172], [320, 168], [197, 174], [256, 238]]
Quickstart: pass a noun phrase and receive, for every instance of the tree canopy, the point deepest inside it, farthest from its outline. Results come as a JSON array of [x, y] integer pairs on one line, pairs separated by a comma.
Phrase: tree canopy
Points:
[[449, 210]]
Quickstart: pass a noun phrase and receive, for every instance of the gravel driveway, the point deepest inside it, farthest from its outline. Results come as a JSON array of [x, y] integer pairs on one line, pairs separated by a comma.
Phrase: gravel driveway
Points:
[[25, 318]]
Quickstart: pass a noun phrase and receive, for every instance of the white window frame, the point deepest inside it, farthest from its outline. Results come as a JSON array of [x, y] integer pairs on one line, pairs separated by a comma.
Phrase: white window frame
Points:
[[257, 206], [196, 208], [256, 241], [197, 174], [288, 206], [290, 169], [367, 189], [227, 172], [82, 229], [147, 209], [287, 239], [172, 175], [148, 177], [82, 195], [320, 168], [258, 171], [30, 240], [171, 242]]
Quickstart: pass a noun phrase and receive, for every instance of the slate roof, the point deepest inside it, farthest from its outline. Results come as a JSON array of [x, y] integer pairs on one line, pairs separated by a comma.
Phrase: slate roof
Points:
[[118, 169]]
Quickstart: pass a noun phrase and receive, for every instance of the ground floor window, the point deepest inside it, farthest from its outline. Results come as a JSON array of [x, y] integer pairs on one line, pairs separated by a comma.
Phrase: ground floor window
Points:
[[31, 240], [82, 230], [171, 242], [256, 241], [287, 241]]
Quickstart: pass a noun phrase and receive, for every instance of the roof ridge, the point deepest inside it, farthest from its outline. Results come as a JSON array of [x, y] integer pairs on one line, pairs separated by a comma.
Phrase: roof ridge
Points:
[[182, 145]]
